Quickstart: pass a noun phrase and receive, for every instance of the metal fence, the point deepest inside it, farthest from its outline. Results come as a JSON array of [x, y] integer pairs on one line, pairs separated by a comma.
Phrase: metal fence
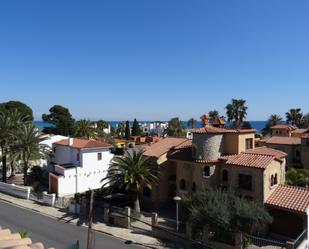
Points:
[[258, 243]]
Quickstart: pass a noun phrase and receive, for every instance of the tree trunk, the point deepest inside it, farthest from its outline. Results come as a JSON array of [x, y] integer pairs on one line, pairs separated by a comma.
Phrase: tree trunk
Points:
[[25, 172], [13, 168], [3, 167], [136, 203]]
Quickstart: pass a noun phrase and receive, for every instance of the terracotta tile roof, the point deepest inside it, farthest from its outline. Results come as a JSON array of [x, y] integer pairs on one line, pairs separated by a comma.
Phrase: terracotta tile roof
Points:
[[263, 150], [84, 143], [284, 126], [283, 140], [248, 160], [300, 131], [163, 146], [215, 130], [290, 198]]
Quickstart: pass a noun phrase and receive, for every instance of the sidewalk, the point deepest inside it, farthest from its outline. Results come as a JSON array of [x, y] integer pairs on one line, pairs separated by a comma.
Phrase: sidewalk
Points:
[[63, 215]]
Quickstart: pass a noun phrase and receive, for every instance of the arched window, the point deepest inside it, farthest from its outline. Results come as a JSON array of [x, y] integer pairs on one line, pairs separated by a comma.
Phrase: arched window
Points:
[[206, 171], [276, 179], [193, 187], [182, 184], [225, 175], [272, 180]]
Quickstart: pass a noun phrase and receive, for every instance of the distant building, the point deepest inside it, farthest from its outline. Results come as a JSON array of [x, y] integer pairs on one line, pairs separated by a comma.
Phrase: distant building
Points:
[[78, 165], [292, 141]]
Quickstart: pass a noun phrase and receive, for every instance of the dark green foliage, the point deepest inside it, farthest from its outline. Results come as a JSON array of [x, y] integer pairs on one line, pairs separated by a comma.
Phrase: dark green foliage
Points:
[[175, 128], [84, 129], [246, 125], [192, 123], [22, 108], [225, 211], [36, 173], [24, 234], [297, 177], [127, 131], [294, 116], [62, 120], [136, 130], [236, 112], [132, 172]]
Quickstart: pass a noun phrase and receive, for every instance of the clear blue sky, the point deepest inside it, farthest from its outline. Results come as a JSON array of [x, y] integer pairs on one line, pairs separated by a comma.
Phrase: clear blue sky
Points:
[[156, 59]]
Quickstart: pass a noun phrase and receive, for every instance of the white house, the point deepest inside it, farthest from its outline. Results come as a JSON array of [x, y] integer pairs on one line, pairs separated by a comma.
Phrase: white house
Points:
[[78, 165], [47, 142]]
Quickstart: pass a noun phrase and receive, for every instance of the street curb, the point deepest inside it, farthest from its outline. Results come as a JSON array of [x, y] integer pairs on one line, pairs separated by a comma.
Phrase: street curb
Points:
[[68, 221]]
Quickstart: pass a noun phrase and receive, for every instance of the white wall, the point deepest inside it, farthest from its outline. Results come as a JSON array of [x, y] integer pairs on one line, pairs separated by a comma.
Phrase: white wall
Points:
[[88, 175], [65, 154]]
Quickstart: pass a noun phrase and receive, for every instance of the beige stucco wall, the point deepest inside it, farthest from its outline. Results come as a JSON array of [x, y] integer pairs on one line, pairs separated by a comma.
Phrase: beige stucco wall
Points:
[[275, 167], [233, 175], [235, 143], [193, 172], [290, 150], [281, 132]]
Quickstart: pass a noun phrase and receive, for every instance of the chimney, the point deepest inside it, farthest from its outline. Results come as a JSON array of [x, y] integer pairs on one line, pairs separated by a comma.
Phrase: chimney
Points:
[[70, 141]]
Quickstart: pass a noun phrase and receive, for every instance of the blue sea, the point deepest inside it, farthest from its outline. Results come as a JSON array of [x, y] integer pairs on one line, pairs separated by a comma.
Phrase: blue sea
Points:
[[258, 125]]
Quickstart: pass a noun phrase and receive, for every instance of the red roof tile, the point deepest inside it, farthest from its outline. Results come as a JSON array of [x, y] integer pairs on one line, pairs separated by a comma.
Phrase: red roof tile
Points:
[[284, 126], [263, 150], [290, 198], [84, 143], [163, 146], [249, 160], [214, 130], [283, 140]]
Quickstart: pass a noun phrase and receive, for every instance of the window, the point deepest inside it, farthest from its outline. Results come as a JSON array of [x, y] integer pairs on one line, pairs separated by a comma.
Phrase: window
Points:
[[276, 179], [182, 184], [272, 180], [54, 149], [245, 182], [297, 153], [193, 151], [193, 187], [99, 156], [77, 157], [249, 143], [308, 143], [225, 175], [206, 171]]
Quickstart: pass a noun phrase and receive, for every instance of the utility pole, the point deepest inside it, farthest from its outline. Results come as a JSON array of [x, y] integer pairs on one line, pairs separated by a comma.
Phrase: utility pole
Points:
[[90, 217]]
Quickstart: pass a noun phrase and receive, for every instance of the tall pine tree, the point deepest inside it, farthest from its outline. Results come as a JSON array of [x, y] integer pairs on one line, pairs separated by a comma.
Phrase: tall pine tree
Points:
[[136, 130], [127, 131]]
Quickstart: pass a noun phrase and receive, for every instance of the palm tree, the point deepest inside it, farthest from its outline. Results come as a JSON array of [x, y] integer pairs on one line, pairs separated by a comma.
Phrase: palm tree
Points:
[[273, 119], [294, 116], [213, 115], [191, 123], [27, 146], [175, 128], [10, 122], [236, 112], [132, 172], [84, 128]]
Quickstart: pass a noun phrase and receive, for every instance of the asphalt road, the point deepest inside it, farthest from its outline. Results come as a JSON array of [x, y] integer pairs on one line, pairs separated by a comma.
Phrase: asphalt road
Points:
[[53, 233]]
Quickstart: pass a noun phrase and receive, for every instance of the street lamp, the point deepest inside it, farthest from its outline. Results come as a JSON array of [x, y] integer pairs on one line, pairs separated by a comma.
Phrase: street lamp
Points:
[[177, 199]]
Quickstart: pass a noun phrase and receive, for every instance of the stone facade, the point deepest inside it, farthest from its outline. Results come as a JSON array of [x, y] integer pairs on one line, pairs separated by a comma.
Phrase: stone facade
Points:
[[207, 146]]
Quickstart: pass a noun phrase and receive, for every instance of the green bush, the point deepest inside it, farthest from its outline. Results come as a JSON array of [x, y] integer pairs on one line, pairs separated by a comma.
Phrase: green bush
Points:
[[297, 177], [24, 234]]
